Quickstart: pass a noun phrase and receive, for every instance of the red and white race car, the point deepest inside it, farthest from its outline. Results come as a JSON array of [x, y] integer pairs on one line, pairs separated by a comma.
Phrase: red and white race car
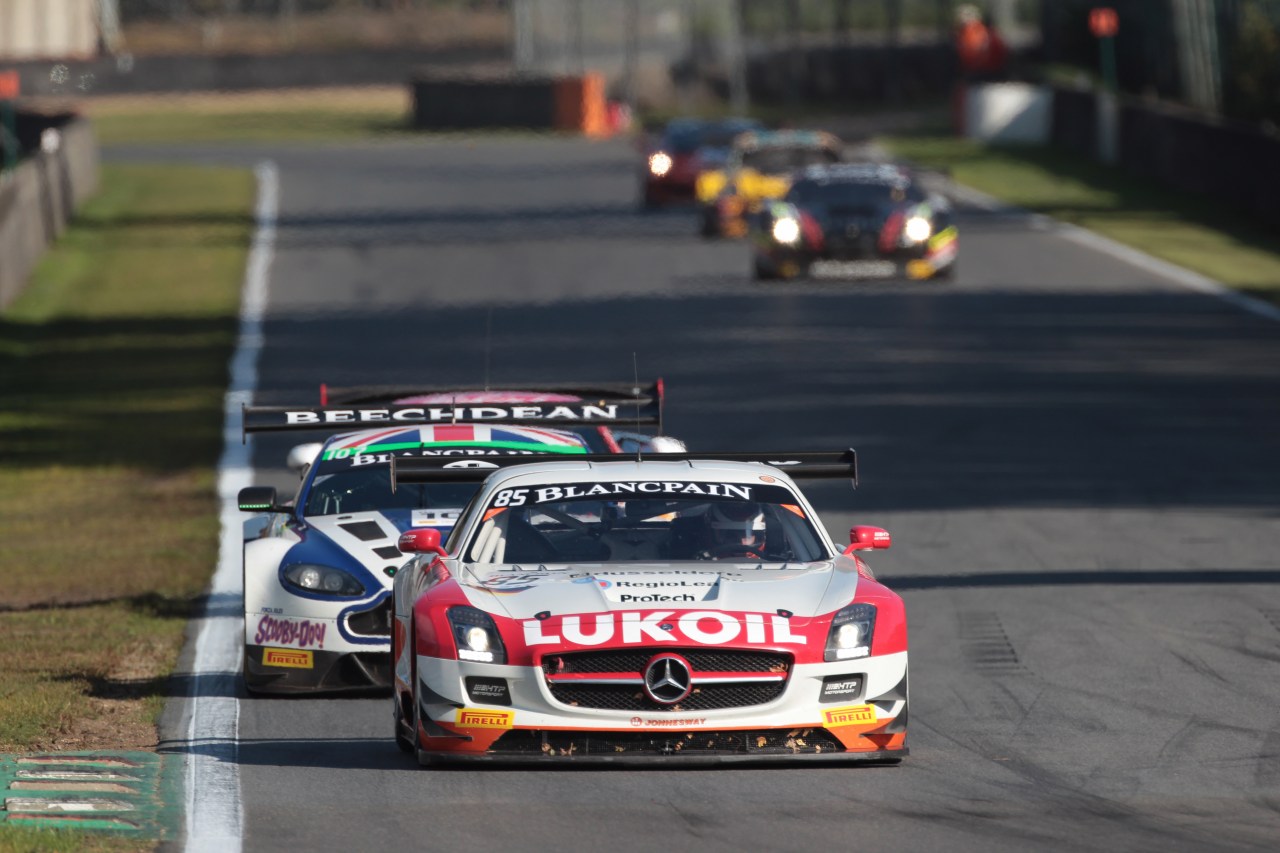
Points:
[[688, 606]]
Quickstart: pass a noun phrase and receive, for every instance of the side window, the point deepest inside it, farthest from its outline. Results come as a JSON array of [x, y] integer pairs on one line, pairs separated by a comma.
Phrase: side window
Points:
[[454, 541]]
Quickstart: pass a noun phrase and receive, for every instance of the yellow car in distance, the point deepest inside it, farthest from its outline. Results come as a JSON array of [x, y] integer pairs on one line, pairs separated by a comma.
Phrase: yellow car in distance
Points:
[[759, 168]]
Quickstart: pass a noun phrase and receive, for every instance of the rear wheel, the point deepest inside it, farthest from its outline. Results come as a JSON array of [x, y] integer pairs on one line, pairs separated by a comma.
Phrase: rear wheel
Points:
[[763, 272]]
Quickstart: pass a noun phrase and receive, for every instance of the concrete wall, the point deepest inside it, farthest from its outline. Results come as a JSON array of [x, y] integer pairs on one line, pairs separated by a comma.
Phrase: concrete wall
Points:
[[1008, 113], [48, 29], [241, 72], [39, 198]]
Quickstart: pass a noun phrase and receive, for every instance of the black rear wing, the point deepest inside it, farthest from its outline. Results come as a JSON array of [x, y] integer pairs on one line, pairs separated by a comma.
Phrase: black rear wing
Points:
[[331, 395], [837, 464], [369, 416]]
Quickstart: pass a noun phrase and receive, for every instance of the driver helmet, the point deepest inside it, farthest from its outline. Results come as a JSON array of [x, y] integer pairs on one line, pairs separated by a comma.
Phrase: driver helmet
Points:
[[738, 523]]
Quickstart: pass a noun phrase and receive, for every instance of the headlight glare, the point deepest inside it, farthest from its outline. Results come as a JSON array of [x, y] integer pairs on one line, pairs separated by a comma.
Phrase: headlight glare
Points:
[[660, 163], [478, 639], [852, 629], [476, 636], [848, 635], [786, 230], [917, 229], [323, 579]]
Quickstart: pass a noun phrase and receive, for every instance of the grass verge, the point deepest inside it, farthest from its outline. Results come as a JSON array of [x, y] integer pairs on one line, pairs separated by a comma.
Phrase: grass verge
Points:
[[1201, 234], [112, 375], [24, 840], [271, 116]]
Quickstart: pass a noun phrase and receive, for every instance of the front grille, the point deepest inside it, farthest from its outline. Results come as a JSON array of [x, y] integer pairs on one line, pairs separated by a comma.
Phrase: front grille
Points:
[[631, 697], [585, 743], [372, 623], [702, 660]]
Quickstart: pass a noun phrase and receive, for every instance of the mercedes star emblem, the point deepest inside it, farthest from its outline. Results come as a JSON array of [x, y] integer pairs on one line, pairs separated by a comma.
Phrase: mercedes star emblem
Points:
[[667, 679]]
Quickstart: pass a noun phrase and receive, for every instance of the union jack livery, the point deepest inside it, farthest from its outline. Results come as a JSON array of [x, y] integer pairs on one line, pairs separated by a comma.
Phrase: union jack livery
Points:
[[318, 575], [684, 607]]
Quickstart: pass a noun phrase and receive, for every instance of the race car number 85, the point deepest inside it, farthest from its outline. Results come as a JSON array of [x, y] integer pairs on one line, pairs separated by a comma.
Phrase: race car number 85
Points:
[[511, 497]]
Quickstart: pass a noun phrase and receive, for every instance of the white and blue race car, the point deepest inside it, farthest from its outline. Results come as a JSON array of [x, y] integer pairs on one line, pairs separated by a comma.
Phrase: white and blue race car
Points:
[[318, 576]]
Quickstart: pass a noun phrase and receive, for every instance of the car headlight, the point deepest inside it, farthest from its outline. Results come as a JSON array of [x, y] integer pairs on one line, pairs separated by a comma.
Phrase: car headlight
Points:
[[786, 230], [917, 229], [851, 632], [325, 580], [660, 163], [476, 636]]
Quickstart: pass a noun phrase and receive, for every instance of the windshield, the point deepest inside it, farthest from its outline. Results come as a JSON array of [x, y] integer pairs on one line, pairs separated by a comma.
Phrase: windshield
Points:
[[644, 520], [776, 160], [685, 137], [848, 195], [365, 489]]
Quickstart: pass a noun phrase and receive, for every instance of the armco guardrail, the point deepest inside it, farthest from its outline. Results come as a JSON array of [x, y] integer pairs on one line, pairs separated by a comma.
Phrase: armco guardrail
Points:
[[39, 197], [1230, 161]]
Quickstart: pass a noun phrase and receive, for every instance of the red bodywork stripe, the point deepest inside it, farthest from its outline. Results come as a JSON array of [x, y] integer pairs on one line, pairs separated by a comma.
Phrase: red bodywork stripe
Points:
[[698, 676], [891, 232], [812, 231], [455, 432], [609, 441]]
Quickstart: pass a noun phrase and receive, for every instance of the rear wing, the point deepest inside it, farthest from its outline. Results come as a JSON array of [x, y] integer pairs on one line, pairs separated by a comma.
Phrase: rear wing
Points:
[[802, 465], [338, 418], [586, 392]]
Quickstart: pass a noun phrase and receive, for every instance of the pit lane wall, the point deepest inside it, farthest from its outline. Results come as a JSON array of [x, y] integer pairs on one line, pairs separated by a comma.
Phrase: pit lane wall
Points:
[[39, 197], [1232, 162]]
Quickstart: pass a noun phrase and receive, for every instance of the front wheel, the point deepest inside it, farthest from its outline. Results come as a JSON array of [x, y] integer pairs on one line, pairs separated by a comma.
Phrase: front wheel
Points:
[[403, 740], [710, 223], [253, 684]]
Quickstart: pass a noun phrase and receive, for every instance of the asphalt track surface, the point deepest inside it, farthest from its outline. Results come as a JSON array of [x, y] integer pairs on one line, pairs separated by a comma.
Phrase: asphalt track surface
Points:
[[1077, 460]]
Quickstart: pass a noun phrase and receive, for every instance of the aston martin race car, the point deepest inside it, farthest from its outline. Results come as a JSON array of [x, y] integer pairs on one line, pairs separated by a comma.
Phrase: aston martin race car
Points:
[[855, 221], [686, 148], [317, 577], [679, 607], [759, 168]]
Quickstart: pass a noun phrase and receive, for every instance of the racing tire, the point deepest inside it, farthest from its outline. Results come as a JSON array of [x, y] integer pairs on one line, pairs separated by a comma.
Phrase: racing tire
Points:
[[710, 227], [253, 686], [402, 740], [761, 272], [420, 755], [946, 273]]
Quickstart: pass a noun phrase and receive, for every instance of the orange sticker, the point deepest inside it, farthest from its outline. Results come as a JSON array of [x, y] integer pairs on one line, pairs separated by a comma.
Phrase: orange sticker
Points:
[[490, 513], [793, 508], [474, 719], [288, 657], [849, 716]]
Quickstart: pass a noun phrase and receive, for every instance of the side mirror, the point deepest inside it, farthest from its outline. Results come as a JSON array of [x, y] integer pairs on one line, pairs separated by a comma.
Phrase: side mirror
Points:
[[423, 540], [258, 499], [865, 538]]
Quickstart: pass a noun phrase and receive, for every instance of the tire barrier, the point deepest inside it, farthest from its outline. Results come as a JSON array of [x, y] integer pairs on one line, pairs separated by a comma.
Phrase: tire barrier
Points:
[[451, 101]]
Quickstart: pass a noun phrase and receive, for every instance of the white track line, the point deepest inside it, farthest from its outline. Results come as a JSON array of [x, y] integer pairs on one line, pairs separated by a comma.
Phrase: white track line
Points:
[[1178, 275], [214, 819]]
